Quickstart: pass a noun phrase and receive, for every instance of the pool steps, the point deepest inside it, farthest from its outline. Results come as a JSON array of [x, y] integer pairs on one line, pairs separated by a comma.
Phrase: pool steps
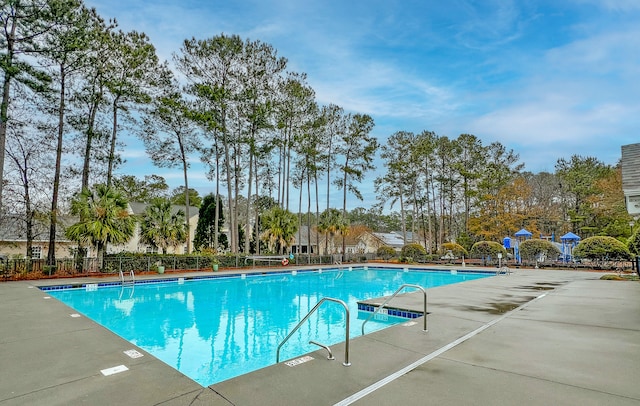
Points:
[[131, 280], [346, 362]]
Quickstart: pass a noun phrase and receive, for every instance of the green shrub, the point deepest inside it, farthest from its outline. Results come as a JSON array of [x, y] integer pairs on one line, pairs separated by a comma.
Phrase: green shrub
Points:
[[536, 248], [431, 257], [456, 249], [633, 244], [602, 249], [49, 269], [486, 250], [413, 251], [466, 241], [386, 252]]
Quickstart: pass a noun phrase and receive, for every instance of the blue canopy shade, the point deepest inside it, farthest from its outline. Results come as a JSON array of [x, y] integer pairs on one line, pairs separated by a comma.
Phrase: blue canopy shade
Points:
[[523, 233], [569, 237]]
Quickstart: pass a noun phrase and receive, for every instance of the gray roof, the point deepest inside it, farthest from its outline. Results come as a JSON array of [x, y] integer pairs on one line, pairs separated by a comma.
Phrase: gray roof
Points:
[[390, 239], [138, 208], [410, 236], [14, 228]]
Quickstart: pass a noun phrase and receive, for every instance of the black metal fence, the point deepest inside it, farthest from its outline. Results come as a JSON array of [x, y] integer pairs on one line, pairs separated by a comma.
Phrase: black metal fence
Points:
[[16, 269], [39, 268], [112, 265]]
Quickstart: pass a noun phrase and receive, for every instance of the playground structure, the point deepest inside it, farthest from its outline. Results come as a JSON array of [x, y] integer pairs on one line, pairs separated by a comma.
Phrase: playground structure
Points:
[[519, 237], [568, 243]]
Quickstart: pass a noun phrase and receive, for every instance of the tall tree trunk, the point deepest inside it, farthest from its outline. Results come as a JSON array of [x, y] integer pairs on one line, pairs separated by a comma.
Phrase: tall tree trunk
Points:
[[4, 109], [287, 169], [257, 211], [441, 222], [432, 212], [87, 149], [4, 106], [344, 207], [247, 242], [414, 213], [280, 174], [300, 214], [287, 176], [329, 171], [403, 218], [187, 203], [308, 216], [114, 134], [227, 158], [217, 214], [315, 174], [51, 254], [236, 194], [100, 254], [29, 215]]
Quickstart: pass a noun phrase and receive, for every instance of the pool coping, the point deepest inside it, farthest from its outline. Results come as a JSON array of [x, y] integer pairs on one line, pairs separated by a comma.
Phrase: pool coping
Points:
[[71, 374]]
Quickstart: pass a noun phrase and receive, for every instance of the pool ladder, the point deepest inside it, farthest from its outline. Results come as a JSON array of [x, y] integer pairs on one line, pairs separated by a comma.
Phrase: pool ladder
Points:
[[131, 281], [346, 362], [407, 285]]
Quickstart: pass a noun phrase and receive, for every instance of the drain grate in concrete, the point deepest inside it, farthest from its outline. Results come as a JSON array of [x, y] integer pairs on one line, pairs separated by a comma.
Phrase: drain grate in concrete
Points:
[[133, 353], [298, 361]]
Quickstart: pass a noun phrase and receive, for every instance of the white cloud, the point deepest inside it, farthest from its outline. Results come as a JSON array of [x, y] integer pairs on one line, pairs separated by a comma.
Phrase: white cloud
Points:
[[546, 80]]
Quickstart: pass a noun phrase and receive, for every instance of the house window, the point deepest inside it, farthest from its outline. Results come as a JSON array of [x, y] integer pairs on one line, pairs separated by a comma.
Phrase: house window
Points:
[[152, 249], [36, 252]]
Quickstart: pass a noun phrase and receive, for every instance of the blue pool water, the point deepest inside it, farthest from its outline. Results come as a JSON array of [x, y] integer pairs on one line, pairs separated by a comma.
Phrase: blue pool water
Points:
[[215, 329]]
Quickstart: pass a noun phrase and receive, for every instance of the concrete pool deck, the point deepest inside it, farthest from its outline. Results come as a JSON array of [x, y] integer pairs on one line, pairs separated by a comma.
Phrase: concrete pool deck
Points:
[[536, 337]]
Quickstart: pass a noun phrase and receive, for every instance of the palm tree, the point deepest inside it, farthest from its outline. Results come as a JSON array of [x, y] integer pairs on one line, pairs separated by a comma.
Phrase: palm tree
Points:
[[104, 219], [162, 227], [280, 227], [331, 223]]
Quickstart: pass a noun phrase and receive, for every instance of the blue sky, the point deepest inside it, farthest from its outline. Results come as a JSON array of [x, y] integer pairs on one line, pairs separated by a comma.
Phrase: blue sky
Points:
[[547, 79]]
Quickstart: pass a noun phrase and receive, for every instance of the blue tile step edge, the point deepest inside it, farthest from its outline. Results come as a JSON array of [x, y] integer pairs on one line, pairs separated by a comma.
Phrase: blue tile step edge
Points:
[[391, 311]]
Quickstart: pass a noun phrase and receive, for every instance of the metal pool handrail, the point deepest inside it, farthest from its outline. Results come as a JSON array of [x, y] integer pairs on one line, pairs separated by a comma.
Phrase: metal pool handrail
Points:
[[407, 285], [133, 277], [346, 362]]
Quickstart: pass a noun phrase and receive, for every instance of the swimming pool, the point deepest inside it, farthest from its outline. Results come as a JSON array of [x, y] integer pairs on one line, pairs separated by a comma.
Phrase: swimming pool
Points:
[[216, 329]]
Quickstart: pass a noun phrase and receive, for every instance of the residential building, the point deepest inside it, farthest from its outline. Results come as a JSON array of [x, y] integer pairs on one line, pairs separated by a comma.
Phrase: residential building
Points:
[[304, 238], [13, 237], [135, 245], [13, 240]]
